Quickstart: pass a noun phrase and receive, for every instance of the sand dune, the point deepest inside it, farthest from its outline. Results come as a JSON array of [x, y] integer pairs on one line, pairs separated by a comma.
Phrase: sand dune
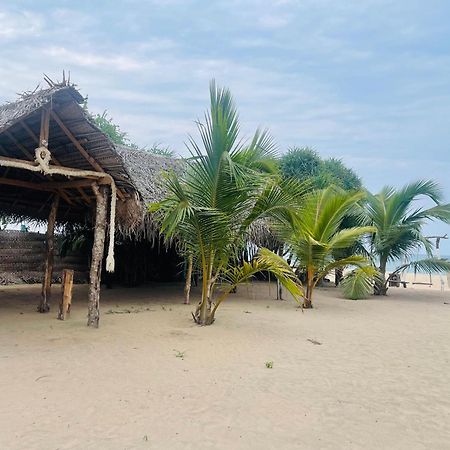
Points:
[[370, 374]]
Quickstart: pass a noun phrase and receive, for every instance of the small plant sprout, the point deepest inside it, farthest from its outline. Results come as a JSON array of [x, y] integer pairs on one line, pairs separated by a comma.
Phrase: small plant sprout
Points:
[[269, 364], [179, 354]]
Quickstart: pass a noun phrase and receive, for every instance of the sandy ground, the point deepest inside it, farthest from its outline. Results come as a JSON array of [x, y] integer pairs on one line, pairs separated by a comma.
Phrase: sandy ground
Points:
[[151, 379]]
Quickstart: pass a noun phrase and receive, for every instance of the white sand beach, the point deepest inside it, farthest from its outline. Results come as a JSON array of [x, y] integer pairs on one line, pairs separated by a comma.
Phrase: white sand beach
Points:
[[371, 374]]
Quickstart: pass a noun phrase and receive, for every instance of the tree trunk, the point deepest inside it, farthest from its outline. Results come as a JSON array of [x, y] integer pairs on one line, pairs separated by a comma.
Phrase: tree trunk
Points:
[[307, 300], [279, 286], [206, 318], [97, 256], [380, 287], [187, 286], [338, 275], [203, 314], [44, 305], [279, 290]]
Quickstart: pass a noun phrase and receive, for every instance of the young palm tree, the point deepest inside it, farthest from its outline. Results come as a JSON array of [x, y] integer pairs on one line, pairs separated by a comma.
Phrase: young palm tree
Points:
[[226, 187], [317, 236], [399, 228], [4, 222]]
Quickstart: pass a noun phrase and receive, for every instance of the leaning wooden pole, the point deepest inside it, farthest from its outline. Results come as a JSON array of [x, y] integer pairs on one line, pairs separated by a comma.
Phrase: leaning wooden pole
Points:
[[44, 305], [97, 255], [187, 286]]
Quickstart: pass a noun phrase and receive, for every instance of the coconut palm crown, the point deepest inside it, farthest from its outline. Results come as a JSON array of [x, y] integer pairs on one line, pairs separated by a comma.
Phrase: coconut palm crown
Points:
[[399, 223], [317, 236], [227, 186]]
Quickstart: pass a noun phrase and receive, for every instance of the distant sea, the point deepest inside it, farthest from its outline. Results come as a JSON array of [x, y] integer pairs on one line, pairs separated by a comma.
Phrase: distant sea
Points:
[[395, 264]]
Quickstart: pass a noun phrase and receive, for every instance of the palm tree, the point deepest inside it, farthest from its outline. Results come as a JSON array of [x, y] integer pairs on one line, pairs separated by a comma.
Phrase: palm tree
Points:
[[318, 236], [227, 187], [4, 221], [399, 226]]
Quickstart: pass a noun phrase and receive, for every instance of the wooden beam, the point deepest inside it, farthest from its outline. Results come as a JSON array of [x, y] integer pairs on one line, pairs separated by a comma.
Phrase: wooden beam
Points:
[[51, 186], [75, 184], [19, 146], [75, 142], [97, 256], [81, 149], [50, 255], [29, 131], [75, 172], [45, 127], [31, 157], [24, 184], [36, 140]]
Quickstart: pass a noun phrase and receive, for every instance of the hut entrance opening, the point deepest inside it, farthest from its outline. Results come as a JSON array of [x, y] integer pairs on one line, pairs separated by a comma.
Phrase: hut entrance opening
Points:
[[49, 172], [79, 178], [57, 167]]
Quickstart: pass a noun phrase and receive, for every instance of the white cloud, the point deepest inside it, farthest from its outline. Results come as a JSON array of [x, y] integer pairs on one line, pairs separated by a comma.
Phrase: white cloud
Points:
[[17, 25], [347, 79], [93, 60], [273, 21]]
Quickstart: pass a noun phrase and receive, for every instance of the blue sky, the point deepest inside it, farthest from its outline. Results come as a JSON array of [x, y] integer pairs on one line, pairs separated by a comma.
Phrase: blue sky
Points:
[[366, 81]]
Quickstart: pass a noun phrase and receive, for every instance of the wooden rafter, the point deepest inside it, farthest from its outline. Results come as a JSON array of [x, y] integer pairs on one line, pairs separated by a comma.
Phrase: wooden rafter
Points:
[[81, 149], [31, 157], [51, 186], [23, 149], [36, 140]]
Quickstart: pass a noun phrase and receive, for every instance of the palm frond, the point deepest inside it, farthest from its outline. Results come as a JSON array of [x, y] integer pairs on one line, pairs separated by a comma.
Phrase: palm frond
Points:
[[399, 223], [427, 265], [359, 283], [265, 261], [349, 236]]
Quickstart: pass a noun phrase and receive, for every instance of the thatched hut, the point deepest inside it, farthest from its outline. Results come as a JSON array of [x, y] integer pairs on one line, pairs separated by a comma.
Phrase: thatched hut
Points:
[[57, 166]]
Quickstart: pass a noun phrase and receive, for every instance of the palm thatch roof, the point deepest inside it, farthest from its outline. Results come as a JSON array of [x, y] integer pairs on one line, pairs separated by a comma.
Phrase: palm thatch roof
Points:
[[146, 172], [137, 173]]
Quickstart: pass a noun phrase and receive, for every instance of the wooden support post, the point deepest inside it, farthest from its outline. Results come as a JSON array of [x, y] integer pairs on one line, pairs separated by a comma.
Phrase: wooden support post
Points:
[[47, 283], [97, 255], [45, 127], [66, 294], [187, 286]]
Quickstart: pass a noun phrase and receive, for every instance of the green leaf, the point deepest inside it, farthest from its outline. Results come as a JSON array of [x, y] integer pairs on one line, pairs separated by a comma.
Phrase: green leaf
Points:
[[359, 283]]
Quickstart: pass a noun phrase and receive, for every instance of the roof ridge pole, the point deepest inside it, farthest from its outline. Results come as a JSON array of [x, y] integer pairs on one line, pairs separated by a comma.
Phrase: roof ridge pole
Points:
[[44, 305]]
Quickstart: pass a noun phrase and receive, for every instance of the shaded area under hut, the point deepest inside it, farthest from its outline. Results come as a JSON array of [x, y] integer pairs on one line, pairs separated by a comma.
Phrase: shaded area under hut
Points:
[[56, 166]]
